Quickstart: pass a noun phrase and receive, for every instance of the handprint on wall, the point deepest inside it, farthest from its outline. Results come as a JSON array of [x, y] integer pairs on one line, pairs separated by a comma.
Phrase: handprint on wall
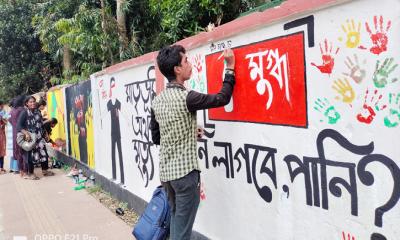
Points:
[[328, 57], [393, 118], [197, 63], [379, 36], [344, 89], [370, 107], [327, 110], [356, 72], [347, 237], [381, 74], [352, 34], [197, 80]]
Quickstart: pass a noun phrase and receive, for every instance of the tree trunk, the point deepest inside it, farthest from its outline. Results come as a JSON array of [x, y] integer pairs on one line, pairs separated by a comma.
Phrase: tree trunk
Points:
[[67, 61], [121, 20], [104, 26]]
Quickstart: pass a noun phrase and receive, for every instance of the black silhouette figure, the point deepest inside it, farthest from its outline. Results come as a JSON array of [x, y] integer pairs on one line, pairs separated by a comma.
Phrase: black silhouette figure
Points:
[[115, 109]]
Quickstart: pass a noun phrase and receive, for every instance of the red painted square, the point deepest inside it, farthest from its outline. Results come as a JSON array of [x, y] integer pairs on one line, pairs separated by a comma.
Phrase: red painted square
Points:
[[274, 95]]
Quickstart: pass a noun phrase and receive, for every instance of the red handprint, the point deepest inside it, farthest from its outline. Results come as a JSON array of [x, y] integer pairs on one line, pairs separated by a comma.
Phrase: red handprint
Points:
[[379, 38], [328, 60], [349, 237], [202, 192], [368, 113], [197, 63]]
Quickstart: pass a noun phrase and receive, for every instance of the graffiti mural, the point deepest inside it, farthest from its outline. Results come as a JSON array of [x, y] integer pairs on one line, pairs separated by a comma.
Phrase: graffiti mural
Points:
[[122, 114], [307, 147], [140, 95], [55, 109], [80, 122]]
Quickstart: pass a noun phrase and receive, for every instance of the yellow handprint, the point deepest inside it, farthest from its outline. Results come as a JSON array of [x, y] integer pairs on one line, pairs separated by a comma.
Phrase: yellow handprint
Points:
[[344, 89], [353, 34]]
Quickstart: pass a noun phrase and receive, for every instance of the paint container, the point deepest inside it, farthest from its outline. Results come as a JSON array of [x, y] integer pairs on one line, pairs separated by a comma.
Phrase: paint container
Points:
[[92, 179], [76, 178]]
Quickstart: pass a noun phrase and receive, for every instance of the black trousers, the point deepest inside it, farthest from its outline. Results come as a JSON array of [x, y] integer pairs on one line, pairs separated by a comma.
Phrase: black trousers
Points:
[[28, 159], [1, 162], [116, 142], [184, 198]]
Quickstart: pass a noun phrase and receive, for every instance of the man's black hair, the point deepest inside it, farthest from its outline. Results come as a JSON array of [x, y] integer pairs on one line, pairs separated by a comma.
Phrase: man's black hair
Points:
[[168, 58], [19, 101], [54, 120]]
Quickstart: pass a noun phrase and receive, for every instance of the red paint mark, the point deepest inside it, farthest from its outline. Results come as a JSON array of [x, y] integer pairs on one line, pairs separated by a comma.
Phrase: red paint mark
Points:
[[111, 88], [103, 92], [197, 63], [368, 111], [379, 36], [202, 192], [369, 117], [349, 237], [252, 92], [328, 60]]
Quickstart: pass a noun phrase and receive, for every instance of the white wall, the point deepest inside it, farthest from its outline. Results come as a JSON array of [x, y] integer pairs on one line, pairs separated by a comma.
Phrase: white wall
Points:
[[141, 173], [233, 208]]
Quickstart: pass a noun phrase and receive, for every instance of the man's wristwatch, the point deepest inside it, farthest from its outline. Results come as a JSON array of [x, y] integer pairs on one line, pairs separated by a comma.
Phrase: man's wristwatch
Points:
[[230, 71]]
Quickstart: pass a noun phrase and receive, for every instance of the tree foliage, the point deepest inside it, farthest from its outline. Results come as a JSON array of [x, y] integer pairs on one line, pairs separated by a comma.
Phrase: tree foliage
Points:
[[24, 68]]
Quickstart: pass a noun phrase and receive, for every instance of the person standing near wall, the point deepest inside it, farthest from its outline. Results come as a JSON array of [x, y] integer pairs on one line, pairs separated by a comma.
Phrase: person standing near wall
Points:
[[18, 108], [30, 121], [48, 126], [9, 134], [3, 123], [174, 127]]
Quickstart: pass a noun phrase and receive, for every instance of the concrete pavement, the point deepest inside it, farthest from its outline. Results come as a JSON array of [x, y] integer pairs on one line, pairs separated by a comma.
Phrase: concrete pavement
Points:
[[49, 208]]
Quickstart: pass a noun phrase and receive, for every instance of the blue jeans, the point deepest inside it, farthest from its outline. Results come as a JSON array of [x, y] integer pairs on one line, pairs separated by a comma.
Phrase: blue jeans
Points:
[[184, 198]]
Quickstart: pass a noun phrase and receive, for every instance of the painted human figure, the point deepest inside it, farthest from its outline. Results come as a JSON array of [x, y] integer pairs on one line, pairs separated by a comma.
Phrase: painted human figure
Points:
[[114, 107], [80, 107]]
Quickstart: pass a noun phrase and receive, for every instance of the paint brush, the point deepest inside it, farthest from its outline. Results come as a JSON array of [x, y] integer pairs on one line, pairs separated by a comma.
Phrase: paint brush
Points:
[[220, 56]]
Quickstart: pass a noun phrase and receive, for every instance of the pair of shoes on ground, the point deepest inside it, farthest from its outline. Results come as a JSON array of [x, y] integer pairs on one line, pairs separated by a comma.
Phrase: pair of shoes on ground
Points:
[[46, 173], [31, 177]]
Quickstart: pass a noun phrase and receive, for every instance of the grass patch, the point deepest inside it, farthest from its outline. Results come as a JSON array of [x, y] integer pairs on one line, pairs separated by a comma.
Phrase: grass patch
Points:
[[94, 189]]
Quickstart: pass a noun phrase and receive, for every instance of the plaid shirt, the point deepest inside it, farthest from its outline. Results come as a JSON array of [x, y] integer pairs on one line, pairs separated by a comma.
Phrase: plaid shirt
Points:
[[174, 126]]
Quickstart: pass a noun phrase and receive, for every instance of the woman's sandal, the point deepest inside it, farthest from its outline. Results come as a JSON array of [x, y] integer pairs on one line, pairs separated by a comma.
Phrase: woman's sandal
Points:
[[34, 177]]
